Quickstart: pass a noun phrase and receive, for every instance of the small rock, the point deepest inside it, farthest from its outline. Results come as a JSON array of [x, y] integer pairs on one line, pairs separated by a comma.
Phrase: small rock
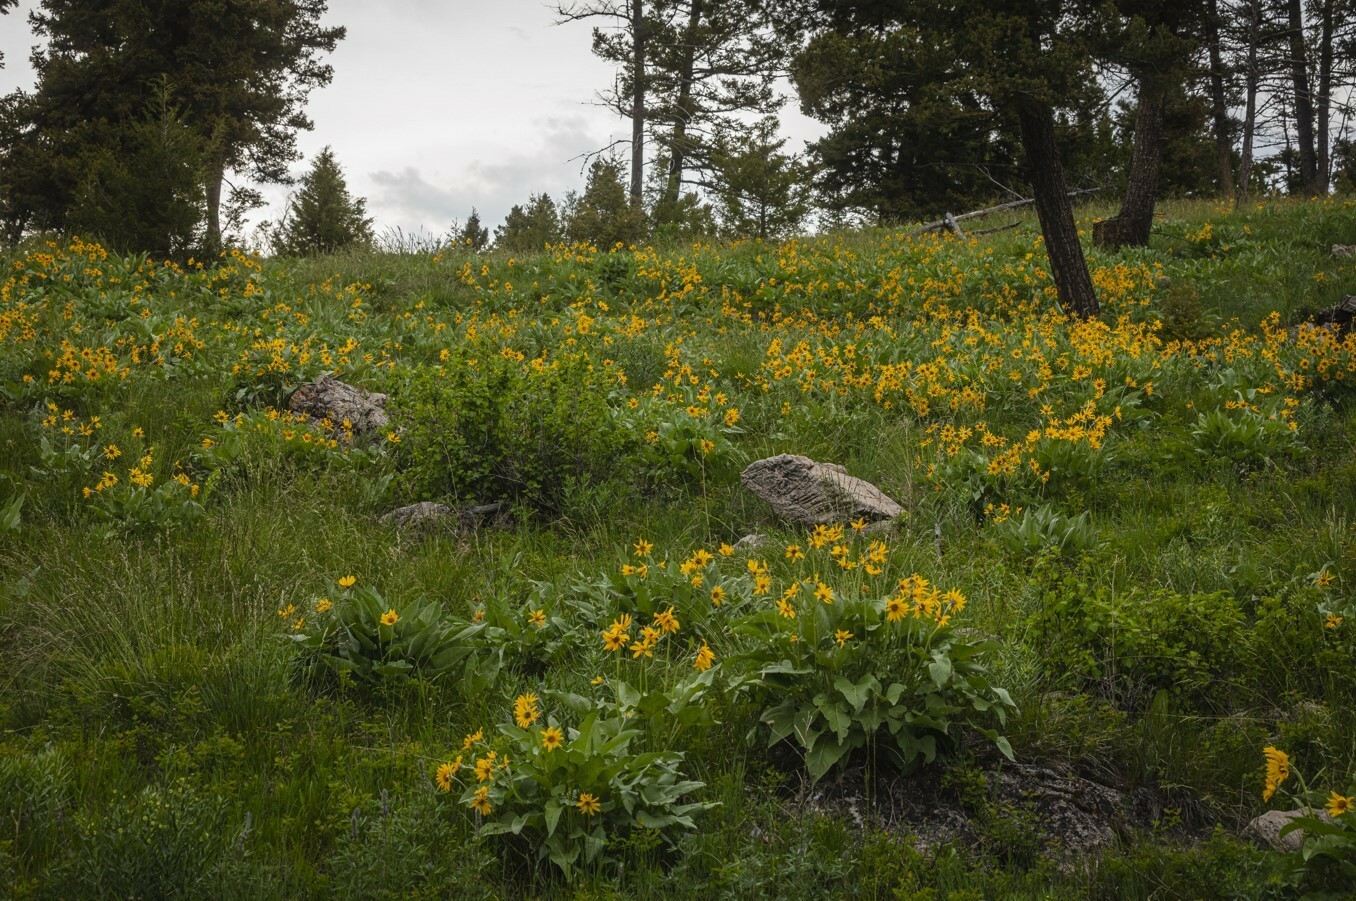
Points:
[[752, 542], [1340, 316], [1266, 829], [329, 398], [415, 516], [809, 493], [1344, 250], [426, 514]]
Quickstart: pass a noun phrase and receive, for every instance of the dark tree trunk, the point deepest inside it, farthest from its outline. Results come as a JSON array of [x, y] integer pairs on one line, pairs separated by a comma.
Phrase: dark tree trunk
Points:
[[1323, 102], [1252, 79], [1224, 148], [1132, 225], [215, 179], [678, 144], [1067, 263], [637, 104], [1304, 100]]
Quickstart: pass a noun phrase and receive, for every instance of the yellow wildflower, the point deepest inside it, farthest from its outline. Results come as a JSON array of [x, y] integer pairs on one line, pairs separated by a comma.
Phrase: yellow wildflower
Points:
[[525, 710], [1278, 770]]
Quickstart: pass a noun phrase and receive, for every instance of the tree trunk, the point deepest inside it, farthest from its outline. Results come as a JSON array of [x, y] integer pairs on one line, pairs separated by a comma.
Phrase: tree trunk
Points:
[[1252, 79], [1323, 101], [1304, 101], [1132, 225], [212, 240], [1224, 149], [1067, 263], [637, 105], [678, 143]]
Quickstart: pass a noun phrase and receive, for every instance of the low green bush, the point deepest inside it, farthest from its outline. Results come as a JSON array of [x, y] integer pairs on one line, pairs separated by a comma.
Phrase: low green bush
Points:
[[487, 427]]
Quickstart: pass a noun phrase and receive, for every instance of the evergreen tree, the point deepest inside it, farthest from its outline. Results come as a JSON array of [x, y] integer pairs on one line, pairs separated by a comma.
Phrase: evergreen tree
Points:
[[899, 146], [760, 191], [532, 229], [240, 71], [473, 234], [147, 195], [322, 217], [1022, 59], [603, 215]]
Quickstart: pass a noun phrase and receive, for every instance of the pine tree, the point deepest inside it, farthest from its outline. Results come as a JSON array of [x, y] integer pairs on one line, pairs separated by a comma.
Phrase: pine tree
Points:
[[1022, 58], [603, 215], [322, 217], [473, 234], [760, 191], [532, 229], [240, 69]]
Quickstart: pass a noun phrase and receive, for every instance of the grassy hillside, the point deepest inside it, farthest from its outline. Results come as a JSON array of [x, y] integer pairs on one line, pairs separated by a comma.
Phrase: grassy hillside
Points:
[[1126, 559]]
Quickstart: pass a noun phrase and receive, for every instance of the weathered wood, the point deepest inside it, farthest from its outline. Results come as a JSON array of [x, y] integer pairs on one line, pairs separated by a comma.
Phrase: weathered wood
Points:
[[996, 228], [950, 220]]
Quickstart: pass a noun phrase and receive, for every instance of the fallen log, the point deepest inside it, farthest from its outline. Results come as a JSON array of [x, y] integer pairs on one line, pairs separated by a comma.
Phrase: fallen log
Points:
[[950, 220]]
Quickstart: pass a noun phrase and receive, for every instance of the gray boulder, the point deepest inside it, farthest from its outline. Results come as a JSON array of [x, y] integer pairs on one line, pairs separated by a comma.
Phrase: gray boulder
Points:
[[427, 515], [329, 398], [807, 493], [417, 516], [1266, 829], [1344, 250]]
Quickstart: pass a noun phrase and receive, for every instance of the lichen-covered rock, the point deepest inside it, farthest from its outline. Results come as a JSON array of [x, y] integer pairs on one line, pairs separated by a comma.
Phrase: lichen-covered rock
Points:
[[753, 542], [427, 514], [1266, 829], [809, 493], [1344, 250], [339, 402], [416, 516]]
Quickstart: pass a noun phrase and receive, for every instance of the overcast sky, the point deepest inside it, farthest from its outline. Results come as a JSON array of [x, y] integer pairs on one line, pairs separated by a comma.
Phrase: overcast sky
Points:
[[437, 107]]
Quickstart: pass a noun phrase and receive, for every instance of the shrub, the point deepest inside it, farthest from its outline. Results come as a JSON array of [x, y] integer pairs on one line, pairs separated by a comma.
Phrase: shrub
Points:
[[859, 669], [361, 635], [490, 427], [1134, 642], [574, 796], [1040, 528]]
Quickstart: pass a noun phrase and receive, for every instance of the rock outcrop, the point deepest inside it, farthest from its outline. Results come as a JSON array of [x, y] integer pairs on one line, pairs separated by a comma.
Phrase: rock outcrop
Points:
[[807, 493], [340, 402]]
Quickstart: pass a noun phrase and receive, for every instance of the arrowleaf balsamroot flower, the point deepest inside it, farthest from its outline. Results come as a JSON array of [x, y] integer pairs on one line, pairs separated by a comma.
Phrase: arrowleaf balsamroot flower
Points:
[[444, 777], [551, 738], [390, 617], [1278, 770], [348, 581], [705, 658], [587, 804], [525, 710]]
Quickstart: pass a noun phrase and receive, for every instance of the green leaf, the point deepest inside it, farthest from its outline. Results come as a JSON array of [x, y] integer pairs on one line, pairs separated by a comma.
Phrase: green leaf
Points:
[[553, 811], [824, 757]]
